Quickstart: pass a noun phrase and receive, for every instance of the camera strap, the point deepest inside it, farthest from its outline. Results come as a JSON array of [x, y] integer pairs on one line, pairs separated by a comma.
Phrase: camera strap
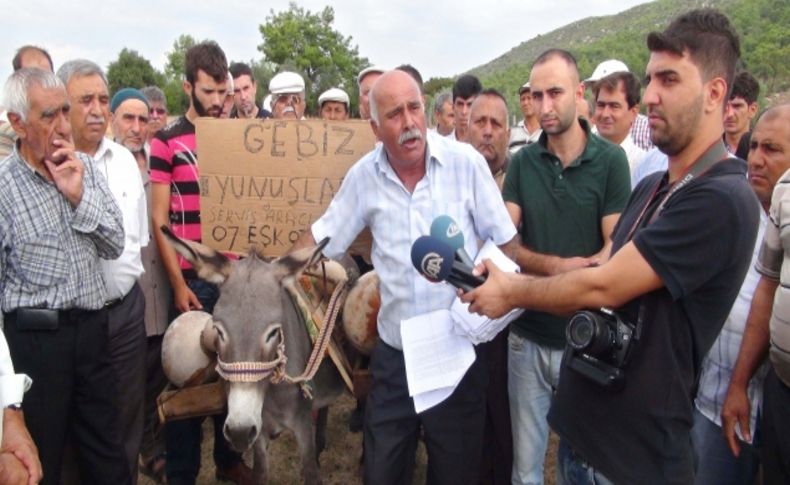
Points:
[[716, 153]]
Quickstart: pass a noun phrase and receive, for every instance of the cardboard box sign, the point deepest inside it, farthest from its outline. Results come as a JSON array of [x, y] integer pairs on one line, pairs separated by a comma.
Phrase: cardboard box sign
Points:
[[264, 181]]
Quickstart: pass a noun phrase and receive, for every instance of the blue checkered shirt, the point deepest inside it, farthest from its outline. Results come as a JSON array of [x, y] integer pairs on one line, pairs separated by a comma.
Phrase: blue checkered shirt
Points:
[[457, 183], [49, 250]]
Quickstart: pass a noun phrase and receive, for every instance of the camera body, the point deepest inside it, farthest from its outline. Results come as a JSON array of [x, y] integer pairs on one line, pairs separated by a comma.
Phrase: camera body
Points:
[[599, 345]]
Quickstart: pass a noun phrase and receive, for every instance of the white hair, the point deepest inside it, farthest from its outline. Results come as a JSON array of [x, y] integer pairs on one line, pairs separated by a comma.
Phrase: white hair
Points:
[[17, 86], [80, 68]]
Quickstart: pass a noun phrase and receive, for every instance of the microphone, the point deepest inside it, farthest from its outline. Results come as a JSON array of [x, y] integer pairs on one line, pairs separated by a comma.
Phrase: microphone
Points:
[[445, 229], [435, 260]]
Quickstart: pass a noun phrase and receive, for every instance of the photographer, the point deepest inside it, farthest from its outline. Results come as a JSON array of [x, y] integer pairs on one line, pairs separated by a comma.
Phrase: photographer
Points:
[[680, 252]]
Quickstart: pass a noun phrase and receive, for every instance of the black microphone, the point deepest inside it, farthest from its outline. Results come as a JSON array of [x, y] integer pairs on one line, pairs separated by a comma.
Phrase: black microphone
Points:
[[445, 229], [436, 261]]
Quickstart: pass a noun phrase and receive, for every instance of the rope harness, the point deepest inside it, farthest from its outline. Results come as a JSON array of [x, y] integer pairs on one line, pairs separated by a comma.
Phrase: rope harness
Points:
[[274, 370]]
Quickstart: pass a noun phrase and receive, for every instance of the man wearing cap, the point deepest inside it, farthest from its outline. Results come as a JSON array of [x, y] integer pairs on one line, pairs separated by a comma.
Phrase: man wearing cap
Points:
[[288, 102], [245, 89], [465, 90], [616, 106], [333, 104], [527, 130], [86, 87], [129, 110], [365, 80], [640, 131]]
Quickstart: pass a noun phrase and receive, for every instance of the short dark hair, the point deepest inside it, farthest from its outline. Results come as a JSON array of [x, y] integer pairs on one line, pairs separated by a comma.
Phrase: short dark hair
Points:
[[708, 37], [17, 61], [745, 86], [413, 72], [631, 86], [552, 53], [466, 86], [208, 57], [238, 69]]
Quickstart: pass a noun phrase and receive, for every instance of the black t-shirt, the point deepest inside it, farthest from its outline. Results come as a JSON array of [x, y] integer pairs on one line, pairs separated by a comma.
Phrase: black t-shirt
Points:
[[700, 246]]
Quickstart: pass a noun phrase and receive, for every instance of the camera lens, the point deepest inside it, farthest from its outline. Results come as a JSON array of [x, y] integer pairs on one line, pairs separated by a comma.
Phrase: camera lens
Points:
[[581, 331]]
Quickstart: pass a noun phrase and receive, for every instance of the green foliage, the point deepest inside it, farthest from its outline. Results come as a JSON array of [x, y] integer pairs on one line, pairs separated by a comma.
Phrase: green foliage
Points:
[[131, 70], [437, 84], [306, 42], [177, 100]]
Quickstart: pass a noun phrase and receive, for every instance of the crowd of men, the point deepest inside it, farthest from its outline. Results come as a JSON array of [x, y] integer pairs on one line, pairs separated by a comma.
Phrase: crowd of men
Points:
[[661, 236]]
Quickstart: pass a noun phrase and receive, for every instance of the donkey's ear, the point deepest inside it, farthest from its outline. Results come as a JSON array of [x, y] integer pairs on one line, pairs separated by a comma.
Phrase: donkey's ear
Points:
[[292, 265], [209, 264]]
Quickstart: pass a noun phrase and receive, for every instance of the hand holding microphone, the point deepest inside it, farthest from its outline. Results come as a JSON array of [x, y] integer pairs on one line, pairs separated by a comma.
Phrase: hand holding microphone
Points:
[[436, 261]]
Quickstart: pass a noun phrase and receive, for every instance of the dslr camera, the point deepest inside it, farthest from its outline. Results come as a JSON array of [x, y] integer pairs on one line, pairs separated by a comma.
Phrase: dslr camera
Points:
[[599, 345]]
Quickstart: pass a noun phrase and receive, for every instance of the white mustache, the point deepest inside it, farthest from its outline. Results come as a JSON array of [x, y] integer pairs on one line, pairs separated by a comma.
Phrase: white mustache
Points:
[[288, 109], [92, 120], [413, 134]]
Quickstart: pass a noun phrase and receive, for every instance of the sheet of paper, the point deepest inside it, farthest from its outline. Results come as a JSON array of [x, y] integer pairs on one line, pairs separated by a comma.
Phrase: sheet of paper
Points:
[[435, 356], [427, 400]]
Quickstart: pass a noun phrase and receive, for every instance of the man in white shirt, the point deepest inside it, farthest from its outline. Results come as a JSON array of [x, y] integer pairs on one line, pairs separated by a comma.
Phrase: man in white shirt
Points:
[[86, 87], [616, 107], [528, 129]]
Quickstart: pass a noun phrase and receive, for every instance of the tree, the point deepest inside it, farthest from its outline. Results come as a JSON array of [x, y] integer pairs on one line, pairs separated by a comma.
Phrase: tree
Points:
[[308, 43], [177, 100], [131, 70]]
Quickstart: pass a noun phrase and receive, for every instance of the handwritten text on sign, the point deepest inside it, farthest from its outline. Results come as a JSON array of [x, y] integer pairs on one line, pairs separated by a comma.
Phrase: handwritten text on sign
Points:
[[263, 181]]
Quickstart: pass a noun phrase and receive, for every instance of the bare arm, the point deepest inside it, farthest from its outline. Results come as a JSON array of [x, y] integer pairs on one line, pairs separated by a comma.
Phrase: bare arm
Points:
[[184, 298], [623, 278], [754, 347], [542, 264], [607, 226]]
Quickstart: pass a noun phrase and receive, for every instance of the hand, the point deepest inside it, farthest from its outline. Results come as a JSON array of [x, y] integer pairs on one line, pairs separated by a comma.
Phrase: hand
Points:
[[17, 440], [563, 265], [736, 411], [185, 299], [66, 170], [13, 471], [489, 298]]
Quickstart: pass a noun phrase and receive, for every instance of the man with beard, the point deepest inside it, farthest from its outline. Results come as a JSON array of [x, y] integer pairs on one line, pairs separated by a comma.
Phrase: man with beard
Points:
[[288, 101], [245, 88], [175, 202], [565, 192], [396, 190], [679, 254], [86, 87], [129, 110]]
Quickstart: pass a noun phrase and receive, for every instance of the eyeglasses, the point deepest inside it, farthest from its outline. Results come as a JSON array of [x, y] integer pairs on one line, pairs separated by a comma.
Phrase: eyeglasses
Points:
[[157, 111], [288, 99]]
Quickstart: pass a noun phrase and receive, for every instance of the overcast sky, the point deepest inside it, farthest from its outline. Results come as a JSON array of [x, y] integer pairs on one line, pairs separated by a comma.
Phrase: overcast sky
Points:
[[440, 37]]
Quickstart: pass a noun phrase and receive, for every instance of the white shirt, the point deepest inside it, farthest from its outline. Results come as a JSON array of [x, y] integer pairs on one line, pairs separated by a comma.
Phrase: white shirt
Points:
[[520, 136], [457, 183], [654, 161], [12, 386], [119, 168], [632, 152]]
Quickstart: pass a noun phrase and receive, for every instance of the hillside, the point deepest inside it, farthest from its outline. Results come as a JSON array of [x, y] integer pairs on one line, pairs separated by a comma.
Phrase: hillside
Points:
[[761, 24]]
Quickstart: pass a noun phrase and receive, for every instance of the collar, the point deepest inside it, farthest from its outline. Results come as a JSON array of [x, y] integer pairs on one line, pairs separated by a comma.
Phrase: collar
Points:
[[105, 147], [590, 149]]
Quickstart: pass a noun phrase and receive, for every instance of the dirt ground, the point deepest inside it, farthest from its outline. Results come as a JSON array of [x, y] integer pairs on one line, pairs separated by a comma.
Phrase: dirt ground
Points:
[[339, 462]]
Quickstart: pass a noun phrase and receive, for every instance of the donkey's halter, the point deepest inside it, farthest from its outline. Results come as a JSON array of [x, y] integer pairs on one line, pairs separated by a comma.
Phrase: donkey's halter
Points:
[[274, 370]]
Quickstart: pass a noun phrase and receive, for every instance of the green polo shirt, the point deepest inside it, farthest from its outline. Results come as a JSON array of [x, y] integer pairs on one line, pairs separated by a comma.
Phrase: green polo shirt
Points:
[[561, 210]]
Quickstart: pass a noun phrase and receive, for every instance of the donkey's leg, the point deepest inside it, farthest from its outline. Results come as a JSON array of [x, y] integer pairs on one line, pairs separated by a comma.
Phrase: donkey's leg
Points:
[[305, 440], [320, 431], [259, 464]]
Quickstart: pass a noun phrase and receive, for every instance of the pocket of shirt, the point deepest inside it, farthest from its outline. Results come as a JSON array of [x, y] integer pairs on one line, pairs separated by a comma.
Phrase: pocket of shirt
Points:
[[42, 261]]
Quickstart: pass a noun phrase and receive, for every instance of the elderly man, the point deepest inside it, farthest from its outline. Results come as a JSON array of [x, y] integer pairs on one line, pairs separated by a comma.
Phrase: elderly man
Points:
[[58, 217], [333, 104], [443, 113], [680, 252], [365, 80], [129, 110], [527, 130], [489, 132], [245, 89], [175, 202], [616, 107], [288, 101], [157, 113], [397, 190], [465, 89], [766, 327], [86, 87]]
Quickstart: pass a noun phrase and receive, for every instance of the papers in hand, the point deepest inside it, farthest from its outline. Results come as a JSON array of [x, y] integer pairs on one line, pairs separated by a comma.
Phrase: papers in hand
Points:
[[476, 327]]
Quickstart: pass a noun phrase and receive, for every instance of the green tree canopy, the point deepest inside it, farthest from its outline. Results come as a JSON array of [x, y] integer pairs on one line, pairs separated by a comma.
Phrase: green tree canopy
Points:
[[177, 100], [131, 70], [306, 42]]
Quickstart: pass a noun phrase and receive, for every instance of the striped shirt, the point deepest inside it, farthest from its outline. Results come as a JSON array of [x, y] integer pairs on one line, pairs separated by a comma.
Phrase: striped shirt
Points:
[[173, 161], [49, 251], [457, 183], [774, 262], [640, 132]]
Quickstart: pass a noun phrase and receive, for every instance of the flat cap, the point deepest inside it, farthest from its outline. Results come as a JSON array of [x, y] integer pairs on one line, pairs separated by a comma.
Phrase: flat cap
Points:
[[334, 94], [286, 82]]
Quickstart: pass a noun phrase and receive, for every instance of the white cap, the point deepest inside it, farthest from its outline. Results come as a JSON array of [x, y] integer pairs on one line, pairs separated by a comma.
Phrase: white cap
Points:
[[605, 68], [368, 70], [286, 83], [334, 94], [523, 88]]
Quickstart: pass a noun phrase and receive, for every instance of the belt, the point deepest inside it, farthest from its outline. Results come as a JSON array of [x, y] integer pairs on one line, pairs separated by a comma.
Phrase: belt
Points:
[[117, 301]]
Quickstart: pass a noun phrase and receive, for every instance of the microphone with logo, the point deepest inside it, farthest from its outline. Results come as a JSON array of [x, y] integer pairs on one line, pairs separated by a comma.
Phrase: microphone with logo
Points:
[[436, 261], [445, 229]]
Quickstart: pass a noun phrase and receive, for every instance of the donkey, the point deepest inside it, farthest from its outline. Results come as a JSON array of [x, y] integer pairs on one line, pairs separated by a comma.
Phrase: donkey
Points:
[[253, 319]]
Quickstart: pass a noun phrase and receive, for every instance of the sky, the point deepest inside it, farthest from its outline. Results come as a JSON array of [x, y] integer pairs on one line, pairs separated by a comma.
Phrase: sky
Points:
[[439, 37]]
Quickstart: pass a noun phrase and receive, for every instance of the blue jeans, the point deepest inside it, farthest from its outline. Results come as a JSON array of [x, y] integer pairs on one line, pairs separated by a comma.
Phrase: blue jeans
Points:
[[714, 462], [572, 470], [533, 374]]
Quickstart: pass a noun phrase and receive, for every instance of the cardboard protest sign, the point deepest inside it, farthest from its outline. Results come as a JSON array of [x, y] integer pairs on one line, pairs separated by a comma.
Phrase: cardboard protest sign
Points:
[[264, 181]]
